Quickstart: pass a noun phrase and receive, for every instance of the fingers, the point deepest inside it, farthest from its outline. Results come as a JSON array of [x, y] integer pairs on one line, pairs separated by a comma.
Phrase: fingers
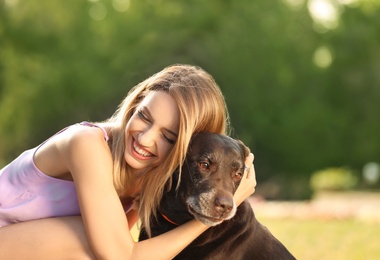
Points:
[[248, 182], [249, 170], [251, 174], [252, 178]]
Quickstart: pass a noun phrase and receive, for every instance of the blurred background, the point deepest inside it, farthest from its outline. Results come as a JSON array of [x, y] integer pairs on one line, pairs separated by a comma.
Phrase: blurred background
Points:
[[301, 80]]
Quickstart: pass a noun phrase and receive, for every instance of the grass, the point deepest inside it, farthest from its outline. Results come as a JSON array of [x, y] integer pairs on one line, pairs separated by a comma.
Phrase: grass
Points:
[[314, 239], [327, 239]]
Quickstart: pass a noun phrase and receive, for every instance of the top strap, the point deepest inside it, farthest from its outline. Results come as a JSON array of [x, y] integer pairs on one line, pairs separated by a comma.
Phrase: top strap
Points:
[[85, 123]]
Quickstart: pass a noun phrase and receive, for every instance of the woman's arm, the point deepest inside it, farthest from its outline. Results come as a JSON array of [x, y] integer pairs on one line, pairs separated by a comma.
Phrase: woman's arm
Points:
[[88, 159]]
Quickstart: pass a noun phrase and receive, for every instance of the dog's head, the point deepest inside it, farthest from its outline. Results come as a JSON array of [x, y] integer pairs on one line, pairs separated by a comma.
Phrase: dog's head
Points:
[[210, 176]]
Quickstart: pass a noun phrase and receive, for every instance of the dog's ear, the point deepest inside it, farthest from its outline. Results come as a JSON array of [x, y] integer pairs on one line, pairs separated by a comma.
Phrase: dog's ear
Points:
[[244, 148]]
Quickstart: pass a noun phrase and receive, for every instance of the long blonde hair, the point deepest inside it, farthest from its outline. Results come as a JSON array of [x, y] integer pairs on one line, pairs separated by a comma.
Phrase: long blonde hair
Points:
[[202, 108]]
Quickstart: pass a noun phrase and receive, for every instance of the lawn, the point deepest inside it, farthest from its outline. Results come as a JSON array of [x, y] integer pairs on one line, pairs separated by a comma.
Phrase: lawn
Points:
[[315, 239], [327, 239]]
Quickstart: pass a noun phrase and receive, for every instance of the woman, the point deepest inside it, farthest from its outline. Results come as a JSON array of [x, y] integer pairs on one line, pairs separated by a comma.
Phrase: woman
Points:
[[98, 170]]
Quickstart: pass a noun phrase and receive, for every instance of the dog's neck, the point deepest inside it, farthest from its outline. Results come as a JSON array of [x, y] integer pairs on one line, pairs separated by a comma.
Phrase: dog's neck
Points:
[[172, 207], [168, 219]]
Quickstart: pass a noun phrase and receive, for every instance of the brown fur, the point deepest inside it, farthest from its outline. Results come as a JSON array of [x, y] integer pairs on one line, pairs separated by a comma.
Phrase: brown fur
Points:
[[210, 176]]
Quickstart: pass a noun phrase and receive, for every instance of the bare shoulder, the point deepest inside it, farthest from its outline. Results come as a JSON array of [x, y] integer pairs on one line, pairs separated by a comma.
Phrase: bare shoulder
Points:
[[82, 135], [70, 147], [82, 142], [86, 152]]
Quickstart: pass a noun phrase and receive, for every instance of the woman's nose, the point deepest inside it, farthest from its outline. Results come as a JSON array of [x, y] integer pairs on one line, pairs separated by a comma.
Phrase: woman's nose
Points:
[[146, 138]]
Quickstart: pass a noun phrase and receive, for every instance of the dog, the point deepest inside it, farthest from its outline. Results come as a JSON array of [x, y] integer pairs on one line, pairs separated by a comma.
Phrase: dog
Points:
[[209, 177]]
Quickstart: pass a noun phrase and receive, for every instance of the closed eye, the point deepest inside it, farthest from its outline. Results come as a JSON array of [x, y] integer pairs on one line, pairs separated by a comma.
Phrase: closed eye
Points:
[[145, 117], [171, 141], [142, 116]]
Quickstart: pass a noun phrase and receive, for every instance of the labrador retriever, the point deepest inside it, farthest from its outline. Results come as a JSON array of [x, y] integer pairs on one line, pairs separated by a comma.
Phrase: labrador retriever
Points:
[[210, 175]]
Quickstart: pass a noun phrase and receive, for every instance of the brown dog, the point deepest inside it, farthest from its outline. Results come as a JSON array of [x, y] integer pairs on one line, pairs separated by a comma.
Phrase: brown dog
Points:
[[210, 175]]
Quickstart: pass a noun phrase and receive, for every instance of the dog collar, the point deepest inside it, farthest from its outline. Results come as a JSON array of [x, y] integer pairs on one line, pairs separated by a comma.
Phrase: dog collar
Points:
[[168, 219]]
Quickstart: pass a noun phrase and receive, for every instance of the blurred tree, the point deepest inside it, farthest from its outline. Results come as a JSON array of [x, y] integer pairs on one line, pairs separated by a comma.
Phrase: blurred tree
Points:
[[303, 94]]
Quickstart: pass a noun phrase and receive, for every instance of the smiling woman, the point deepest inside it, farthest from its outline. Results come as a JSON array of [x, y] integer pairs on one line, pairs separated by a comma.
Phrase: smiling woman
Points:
[[152, 131], [111, 173]]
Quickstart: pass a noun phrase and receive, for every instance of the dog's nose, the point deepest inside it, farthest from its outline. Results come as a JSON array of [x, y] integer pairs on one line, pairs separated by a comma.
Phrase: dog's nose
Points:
[[223, 204]]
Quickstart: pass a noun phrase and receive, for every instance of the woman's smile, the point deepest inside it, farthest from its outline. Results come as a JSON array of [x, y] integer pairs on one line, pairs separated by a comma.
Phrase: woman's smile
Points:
[[140, 152]]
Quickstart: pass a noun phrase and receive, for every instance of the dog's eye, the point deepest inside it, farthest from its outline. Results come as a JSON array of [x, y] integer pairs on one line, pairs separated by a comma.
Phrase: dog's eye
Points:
[[204, 165], [237, 175]]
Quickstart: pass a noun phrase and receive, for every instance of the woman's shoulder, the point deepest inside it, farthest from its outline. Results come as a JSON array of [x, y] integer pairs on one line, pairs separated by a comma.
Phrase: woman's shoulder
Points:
[[80, 135], [75, 139], [85, 151], [87, 130], [100, 126], [71, 145]]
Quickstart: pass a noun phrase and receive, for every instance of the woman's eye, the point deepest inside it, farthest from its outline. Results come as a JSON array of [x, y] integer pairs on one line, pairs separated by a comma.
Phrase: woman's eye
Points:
[[142, 116], [171, 141]]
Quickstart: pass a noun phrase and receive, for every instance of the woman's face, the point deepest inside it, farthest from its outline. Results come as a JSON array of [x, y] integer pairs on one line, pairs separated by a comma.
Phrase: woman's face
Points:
[[152, 131]]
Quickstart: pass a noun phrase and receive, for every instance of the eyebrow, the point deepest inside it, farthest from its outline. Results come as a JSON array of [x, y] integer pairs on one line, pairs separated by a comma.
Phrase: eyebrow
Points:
[[150, 115]]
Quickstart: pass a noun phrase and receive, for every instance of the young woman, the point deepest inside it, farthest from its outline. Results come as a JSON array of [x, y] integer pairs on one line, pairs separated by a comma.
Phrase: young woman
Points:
[[99, 170]]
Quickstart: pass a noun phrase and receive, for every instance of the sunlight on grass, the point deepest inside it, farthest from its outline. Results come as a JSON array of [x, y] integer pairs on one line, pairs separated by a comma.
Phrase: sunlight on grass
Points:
[[135, 232], [323, 239], [327, 239]]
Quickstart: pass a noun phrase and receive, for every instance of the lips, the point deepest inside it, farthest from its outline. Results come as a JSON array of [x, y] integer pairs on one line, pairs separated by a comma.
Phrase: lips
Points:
[[139, 151]]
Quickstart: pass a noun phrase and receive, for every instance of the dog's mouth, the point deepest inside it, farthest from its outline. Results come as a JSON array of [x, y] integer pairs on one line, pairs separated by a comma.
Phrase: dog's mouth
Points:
[[207, 220], [206, 207]]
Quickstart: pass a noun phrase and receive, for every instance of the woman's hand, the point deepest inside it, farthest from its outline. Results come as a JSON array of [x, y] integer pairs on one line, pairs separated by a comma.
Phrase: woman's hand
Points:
[[248, 182]]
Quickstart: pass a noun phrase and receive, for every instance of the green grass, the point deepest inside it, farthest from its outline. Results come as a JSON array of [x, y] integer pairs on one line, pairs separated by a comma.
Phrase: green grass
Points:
[[324, 239], [327, 239]]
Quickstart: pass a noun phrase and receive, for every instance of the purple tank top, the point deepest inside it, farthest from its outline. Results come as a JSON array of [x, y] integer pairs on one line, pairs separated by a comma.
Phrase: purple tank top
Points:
[[26, 193]]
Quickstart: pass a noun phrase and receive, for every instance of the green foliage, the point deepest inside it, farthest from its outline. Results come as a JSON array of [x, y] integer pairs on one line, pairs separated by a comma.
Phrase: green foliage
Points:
[[333, 179], [66, 61]]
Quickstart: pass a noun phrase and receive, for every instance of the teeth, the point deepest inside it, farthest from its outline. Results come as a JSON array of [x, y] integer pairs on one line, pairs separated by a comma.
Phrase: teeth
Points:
[[141, 151]]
